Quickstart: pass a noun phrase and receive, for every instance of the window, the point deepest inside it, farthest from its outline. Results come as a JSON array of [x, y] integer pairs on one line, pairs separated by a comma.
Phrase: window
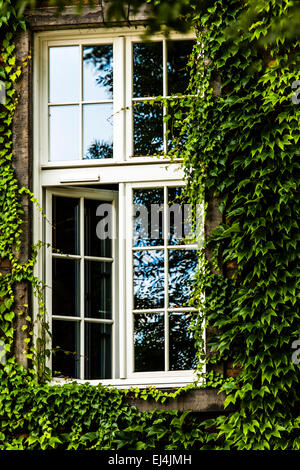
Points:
[[119, 257], [83, 291]]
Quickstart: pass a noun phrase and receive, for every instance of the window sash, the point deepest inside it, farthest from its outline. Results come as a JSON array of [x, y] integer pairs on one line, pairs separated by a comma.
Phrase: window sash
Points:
[[123, 92], [131, 311], [101, 195]]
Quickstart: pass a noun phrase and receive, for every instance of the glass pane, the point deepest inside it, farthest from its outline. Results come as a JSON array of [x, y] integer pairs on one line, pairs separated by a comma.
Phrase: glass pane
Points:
[[147, 69], [149, 342], [98, 131], [64, 133], [148, 217], [64, 74], [148, 279], [179, 217], [182, 266], [182, 350], [65, 290], [98, 72], [65, 348], [98, 228], [98, 289], [148, 129], [65, 229], [98, 351], [176, 137], [178, 73]]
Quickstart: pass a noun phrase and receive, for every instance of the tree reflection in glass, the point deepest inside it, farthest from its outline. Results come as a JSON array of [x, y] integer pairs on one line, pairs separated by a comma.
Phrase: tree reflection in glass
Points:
[[151, 280], [148, 280], [98, 72], [148, 129], [98, 131], [180, 217], [147, 69], [182, 349], [147, 82], [178, 73], [149, 342], [98, 86], [148, 217], [182, 266]]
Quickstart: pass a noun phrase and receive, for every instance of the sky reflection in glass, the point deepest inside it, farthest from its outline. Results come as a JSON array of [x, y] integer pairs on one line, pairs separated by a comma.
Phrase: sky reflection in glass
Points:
[[98, 131], [98, 72], [64, 133], [64, 74]]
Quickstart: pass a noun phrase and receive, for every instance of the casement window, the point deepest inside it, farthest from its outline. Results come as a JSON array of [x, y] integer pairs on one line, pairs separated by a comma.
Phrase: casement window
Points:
[[119, 257]]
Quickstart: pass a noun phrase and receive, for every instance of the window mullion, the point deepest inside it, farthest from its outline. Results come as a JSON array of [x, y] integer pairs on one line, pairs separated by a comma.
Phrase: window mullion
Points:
[[166, 266], [122, 303], [129, 99], [48, 273], [119, 99], [82, 288], [165, 91], [80, 105]]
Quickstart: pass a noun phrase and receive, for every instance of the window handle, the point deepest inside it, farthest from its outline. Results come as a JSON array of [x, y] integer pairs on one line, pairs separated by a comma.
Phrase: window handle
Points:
[[93, 179]]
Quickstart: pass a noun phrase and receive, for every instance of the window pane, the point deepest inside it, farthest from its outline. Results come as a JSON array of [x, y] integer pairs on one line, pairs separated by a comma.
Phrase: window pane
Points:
[[64, 74], [64, 133], [148, 129], [65, 291], [98, 131], [98, 351], [179, 217], [65, 348], [98, 289], [149, 342], [182, 266], [178, 74], [98, 72], [148, 217], [98, 228], [182, 350], [148, 279], [147, 69], [176, 137], [65, 231]]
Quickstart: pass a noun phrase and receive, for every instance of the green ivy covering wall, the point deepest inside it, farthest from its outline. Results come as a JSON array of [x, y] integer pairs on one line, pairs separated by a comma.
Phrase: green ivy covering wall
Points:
[[243, 147], [240, 142]]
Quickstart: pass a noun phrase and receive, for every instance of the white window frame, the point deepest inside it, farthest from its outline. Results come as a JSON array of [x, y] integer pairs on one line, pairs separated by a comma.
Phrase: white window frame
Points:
[[179, 375], [127, 171], [101, 195]]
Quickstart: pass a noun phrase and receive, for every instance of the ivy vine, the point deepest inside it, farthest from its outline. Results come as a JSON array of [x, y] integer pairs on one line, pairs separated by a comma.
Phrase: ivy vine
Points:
[[238, 138], [242, 147]]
